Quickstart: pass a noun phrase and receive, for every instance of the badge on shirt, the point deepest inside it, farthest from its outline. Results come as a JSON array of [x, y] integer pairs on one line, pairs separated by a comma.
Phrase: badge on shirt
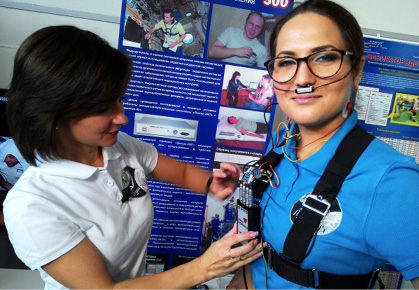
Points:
[[134, 183], [329, 223]]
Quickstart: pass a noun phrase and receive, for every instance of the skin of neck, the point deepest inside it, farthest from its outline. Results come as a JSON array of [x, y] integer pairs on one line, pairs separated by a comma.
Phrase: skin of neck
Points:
[[81, 153], [314, 133]]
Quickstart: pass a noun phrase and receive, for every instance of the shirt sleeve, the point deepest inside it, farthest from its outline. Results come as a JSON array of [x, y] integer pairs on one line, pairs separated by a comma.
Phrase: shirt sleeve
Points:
[[181, 30], [392, 230], [159, 25], [262, 58], [243, 85], [225, 35], [28, 230], [145, 153]]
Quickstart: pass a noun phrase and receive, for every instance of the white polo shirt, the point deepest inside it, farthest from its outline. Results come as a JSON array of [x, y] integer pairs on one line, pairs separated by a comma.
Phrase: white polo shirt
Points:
[[54, 206]]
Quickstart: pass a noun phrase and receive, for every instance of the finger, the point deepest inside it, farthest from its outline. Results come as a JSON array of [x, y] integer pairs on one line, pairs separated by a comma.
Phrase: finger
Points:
[[238, 238], [255, 251], [233, 231], [245, 249], [230, 168], [224, 193]]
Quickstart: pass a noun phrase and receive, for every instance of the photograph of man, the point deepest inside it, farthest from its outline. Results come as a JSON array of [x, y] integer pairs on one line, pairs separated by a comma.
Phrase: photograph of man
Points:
[[247, 87], [249, 127], [240, 45], [174, 34]]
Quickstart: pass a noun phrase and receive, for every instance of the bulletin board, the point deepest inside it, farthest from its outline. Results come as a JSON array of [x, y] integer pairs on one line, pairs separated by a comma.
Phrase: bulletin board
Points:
[[388, 96]]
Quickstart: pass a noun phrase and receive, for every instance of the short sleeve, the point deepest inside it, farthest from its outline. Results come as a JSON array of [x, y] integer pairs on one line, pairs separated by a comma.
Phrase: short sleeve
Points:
[[181, 30], [225, 35], [145, 153], [28, 230], [393, 228]]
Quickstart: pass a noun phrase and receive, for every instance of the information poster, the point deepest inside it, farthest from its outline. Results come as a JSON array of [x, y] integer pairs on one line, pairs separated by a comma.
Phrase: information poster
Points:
[[181, 99], [388, 96]]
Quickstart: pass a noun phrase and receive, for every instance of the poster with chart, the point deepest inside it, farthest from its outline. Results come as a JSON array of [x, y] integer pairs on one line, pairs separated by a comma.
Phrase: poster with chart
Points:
[[388, 96]]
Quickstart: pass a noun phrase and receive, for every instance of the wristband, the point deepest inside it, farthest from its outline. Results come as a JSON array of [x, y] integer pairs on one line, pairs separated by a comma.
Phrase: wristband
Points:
[[209, 181]]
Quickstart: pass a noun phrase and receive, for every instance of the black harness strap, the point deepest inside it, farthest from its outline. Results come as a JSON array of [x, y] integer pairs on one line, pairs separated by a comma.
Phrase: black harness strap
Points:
[[315, 207]]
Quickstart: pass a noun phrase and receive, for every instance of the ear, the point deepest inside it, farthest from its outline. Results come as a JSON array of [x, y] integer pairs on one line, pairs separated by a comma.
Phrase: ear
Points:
[[358, 71]]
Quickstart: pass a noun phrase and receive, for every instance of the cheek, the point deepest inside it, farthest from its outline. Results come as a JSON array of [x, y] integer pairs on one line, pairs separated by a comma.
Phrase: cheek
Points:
[[283, 101]]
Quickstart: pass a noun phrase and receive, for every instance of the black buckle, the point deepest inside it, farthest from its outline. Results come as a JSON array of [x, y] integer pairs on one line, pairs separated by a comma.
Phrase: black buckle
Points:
[[317, 203]]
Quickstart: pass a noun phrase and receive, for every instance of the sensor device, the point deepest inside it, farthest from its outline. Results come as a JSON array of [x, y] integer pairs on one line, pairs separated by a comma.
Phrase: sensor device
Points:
[[304, 90], [253, 184]]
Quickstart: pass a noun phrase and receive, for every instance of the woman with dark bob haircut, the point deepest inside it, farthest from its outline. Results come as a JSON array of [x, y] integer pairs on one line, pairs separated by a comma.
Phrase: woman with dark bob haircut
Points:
[[333, 211], [82, 213], [234, 85]]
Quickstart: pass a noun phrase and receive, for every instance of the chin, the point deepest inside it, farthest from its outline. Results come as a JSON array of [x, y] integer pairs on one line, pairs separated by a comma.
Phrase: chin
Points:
[[110, 142]]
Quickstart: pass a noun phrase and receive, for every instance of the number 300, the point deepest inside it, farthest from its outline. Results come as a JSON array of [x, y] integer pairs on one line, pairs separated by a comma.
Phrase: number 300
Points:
[[276, 3]]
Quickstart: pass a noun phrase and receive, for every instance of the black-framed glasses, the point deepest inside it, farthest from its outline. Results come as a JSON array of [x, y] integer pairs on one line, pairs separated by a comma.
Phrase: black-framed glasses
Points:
[[323, 64]]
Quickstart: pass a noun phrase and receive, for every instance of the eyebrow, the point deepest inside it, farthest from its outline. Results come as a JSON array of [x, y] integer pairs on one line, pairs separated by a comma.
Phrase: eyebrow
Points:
[[318, 48]]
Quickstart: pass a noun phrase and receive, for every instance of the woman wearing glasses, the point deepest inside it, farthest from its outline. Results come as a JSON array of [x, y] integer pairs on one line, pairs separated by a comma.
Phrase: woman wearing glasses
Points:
[[316, 66]]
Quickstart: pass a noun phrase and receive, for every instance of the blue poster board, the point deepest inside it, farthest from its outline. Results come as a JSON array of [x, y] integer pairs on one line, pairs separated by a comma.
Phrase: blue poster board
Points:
[[180, 104], [388, 98]]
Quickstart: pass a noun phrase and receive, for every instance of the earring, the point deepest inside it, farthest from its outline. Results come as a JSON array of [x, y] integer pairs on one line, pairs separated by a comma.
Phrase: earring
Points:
[[347, 109]]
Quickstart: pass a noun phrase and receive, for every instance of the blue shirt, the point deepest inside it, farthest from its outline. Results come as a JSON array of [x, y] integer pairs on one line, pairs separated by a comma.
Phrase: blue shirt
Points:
[[233, 87], [373, 220]]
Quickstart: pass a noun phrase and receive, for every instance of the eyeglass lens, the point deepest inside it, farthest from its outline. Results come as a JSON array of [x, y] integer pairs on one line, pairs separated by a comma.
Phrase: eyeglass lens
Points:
[[323, 64]]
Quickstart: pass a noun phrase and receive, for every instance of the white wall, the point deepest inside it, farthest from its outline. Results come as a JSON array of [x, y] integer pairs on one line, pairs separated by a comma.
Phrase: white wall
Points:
[[19, 18]]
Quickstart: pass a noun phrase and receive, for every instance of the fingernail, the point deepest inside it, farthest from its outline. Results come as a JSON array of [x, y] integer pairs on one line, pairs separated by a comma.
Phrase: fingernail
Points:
[[264, 244], [254, 234], [255, 242]]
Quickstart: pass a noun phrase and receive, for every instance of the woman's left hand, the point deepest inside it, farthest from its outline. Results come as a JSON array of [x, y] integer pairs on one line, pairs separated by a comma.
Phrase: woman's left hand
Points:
[[225, 180], [221, 259]]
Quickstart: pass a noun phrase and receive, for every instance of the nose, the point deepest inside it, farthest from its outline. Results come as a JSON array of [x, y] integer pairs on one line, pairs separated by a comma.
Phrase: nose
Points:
[[304, 76], [120, 118]]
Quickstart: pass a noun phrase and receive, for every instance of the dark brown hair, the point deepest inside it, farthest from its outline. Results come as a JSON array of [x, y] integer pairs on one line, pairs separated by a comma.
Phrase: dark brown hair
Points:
[[345, 21], [61, 73]]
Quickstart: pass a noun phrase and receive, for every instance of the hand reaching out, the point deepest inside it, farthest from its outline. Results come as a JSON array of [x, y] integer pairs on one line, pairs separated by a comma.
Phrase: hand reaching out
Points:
[[225, 180], [221, 259]]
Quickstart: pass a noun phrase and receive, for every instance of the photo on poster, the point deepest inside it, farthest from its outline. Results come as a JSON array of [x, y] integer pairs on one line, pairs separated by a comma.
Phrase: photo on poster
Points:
[[176, 27], [248, 88], [157, 263], [245, 31], [405, 109], [12, 163], [242, 128], [220, 215], [167, 127]]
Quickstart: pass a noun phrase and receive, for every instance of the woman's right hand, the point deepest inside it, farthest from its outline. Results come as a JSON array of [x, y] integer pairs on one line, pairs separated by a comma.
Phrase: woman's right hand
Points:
[[221, 259]]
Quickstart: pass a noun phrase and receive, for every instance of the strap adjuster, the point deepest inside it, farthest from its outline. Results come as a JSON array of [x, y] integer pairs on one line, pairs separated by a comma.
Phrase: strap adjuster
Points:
[[317, 203]]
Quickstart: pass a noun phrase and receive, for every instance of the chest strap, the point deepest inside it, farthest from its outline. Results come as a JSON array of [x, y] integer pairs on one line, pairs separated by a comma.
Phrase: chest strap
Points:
[[315, 207], [168, 31], [313, 278]]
